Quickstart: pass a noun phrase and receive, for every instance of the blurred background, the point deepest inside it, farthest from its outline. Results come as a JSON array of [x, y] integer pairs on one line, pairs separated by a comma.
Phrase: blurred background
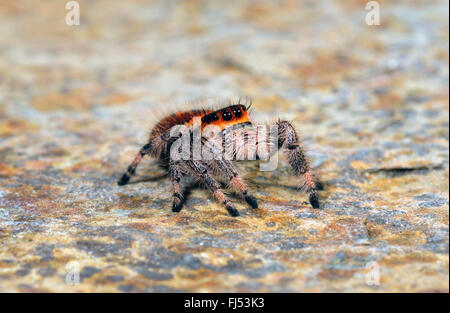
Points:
[[371, 103]]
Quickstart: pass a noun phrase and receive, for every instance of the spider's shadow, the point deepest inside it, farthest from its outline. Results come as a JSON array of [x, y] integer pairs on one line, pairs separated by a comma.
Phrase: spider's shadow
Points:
[[320, 186], [189, 187], [149, 179]]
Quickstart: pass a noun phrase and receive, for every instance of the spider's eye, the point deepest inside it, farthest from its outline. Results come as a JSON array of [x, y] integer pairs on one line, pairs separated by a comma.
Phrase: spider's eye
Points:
[[210, 118], [237, 112], [227, 116]]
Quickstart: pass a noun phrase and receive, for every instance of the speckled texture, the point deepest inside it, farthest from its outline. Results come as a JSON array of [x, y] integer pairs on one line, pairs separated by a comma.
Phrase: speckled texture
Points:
[[371, 103]]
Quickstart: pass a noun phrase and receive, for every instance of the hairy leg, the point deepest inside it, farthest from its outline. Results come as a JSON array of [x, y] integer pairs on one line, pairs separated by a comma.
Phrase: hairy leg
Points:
[[200, 171], [175, 174], [155, 147], [132, 167], [255, 146], [287, 138], [230, 173]]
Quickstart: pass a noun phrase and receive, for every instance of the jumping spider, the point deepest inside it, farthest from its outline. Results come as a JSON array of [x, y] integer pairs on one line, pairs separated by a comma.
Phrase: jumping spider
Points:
[[226, 119]]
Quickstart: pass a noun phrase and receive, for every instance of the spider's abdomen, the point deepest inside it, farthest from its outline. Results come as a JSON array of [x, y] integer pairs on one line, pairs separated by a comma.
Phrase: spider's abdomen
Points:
[[178, 118]]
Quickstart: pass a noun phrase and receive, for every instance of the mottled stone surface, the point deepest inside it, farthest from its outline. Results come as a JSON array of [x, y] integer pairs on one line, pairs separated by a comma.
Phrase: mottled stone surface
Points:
[[371, 103]]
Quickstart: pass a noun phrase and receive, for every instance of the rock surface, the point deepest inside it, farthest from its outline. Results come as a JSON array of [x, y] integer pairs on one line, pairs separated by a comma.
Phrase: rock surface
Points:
[[371, 103]]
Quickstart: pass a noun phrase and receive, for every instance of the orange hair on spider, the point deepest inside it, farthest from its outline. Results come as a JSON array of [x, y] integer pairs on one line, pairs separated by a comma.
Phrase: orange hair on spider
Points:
[[223, 118]]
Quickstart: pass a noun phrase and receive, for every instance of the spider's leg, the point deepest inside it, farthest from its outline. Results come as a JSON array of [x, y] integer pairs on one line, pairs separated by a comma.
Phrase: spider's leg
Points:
[[156, 146], [239, 183], [287, 138], [229, 171], [200, 171], [132, 167], [175, 174]]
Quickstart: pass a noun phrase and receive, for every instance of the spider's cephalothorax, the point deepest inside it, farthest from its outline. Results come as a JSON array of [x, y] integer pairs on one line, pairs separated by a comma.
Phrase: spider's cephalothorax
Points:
[[207, 170]]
